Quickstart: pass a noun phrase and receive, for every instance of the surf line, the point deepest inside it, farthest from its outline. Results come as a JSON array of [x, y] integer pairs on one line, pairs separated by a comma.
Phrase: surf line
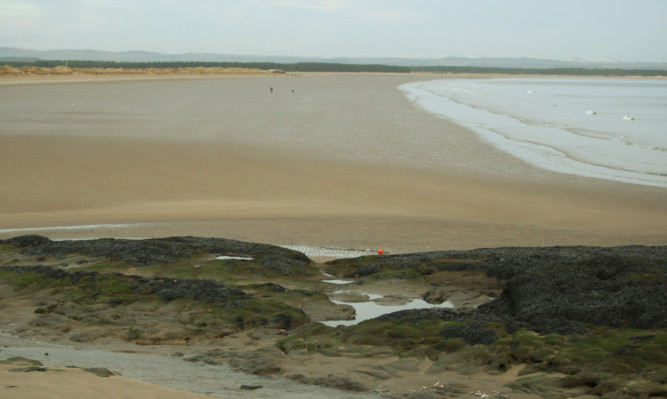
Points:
[[75, 227]]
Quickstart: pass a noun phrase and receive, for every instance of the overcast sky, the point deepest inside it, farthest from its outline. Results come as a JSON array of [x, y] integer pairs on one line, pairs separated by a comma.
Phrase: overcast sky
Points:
[[628, 30]]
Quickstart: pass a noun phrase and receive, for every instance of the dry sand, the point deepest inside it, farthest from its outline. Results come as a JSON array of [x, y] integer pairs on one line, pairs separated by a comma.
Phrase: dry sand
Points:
[[325, 161]]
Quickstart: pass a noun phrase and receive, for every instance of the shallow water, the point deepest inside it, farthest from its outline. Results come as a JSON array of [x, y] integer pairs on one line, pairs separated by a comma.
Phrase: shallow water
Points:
[[371, 309], [614, 129], [340, 282]]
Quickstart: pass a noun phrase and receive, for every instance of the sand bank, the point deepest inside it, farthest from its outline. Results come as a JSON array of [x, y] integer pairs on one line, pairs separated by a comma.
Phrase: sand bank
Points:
[[337, 160], [75, 383]]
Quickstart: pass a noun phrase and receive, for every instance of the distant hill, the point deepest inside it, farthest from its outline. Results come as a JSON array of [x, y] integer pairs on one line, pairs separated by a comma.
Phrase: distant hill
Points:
[[8, 54]]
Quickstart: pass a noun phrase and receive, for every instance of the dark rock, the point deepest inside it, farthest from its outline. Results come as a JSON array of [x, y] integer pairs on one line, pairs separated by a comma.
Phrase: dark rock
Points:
[[559, 289], [331, 381], [505, 262], [101, 371], [251, 387], [641, 338], [115, 302], [162, 250], [338, 382], [272, 287], [33, 369], [256, 366], [284, 320], [625, 350], [26, 241], [473, 333], [435, 296], [166, 288], [199, 290], [611, 291], [264, 361], [365, 270]]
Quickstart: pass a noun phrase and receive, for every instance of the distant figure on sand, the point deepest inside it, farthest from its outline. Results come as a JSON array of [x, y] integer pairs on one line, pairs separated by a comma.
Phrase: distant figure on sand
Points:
[[271, 89]]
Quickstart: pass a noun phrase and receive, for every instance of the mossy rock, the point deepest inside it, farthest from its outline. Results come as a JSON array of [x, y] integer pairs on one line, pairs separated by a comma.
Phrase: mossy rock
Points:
[[403, 274]]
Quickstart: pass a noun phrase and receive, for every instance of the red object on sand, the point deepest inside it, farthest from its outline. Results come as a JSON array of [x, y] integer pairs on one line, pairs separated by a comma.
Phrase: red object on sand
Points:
[[380, 251]]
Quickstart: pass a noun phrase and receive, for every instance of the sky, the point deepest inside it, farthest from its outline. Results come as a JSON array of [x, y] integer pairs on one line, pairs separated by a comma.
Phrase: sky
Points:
[[624, 30]]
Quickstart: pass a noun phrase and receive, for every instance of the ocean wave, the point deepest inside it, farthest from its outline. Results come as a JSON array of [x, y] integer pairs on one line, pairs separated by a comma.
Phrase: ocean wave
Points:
[[549, 130]]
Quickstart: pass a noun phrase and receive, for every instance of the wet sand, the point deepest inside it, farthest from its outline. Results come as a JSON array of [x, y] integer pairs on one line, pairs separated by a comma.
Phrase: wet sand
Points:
[[333, 160]]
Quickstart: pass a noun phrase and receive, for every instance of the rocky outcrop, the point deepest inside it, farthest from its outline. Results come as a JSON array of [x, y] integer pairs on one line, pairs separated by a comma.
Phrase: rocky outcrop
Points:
[[505, 262], [545, 289], [609, 290], [560, 289], [162, 250]]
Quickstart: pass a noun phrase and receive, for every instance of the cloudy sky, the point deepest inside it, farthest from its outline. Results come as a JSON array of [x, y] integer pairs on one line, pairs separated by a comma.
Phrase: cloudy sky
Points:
[[628, 30]]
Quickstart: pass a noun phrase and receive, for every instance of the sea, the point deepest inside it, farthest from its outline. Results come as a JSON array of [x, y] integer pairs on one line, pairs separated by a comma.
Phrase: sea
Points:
[[608, 128]]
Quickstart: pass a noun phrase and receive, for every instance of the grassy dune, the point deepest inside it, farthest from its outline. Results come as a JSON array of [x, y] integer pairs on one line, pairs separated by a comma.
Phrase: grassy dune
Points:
[[27, 71]]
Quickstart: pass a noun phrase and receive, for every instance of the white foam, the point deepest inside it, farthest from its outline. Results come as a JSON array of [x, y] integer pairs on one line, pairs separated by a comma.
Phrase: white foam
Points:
[[71, 227], [548, 129]]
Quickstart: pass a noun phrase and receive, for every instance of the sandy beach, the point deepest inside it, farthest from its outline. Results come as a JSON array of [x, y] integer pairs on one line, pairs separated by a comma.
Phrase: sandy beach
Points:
[[325, 161]]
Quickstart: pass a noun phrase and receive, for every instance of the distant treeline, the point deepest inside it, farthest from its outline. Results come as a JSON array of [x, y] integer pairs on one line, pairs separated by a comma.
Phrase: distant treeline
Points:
[[297, 67], [338, 67]]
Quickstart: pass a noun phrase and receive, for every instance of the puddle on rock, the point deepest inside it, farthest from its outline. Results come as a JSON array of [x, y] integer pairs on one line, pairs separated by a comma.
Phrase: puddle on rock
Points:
[[373, 308]]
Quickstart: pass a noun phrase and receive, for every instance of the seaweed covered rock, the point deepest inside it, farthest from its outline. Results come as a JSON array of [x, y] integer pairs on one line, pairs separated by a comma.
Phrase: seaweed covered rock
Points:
[[611, 291], [502, 263], [167, 289], [560, 289], [473, 333], [162, 250], [199, 290]]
